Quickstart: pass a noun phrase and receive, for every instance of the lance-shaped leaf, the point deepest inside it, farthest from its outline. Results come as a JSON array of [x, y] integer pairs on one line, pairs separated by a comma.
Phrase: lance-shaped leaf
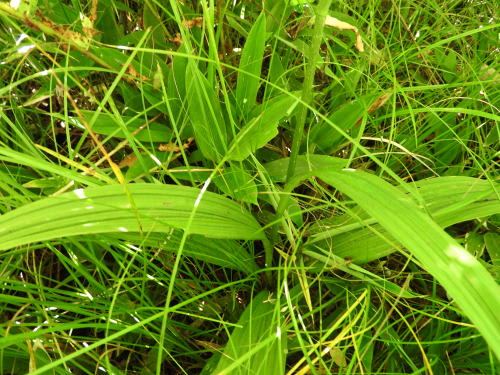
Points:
[[257, 345], [262, 128], [449, 200], [326, 137], [251, 64], [205, 114], [463, 277], [238, 184], [104, 209], [305, 163]]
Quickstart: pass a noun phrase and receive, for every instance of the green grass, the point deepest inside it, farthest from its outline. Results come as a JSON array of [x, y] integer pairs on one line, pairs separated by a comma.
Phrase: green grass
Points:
[[233, 188]]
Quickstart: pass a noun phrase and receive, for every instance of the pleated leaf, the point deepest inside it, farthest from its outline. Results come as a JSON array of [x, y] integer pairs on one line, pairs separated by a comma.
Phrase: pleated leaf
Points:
[[463, 277], [222, 252], [155, 208], [449, 200]]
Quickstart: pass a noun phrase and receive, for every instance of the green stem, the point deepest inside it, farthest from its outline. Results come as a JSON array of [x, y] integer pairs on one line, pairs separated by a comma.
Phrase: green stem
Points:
[[307, 95], [307, 86]]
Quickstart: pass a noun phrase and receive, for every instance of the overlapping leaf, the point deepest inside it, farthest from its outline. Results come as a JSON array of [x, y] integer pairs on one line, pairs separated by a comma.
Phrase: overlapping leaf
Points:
[[251, 65], [449, 200], [153, 208], [463, 277], [262, 128], [257, 346]]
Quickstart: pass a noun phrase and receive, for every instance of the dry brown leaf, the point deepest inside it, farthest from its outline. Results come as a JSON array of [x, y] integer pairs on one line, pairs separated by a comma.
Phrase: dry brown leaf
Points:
[[338, 357], [341, 25], [131, 70], [193, 22], [207, 344], [128, 161], [488, 73], [93, 11], [176, 39], [83, 41], [379, 102], [169, 147]]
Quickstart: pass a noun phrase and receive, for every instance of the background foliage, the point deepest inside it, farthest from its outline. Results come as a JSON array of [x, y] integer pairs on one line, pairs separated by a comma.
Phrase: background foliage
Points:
[[235, 187]]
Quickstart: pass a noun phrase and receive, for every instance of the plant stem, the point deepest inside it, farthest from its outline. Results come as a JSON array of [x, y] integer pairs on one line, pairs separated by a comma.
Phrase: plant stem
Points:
[[307, 87], [307, 95]]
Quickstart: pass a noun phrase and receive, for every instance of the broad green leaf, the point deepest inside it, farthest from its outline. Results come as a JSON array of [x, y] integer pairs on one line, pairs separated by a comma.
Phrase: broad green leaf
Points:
[[111, 30], [262, 128], [176, 87], [205, 115], [222, 252], [449, 200], [152, 18], [448, 62], [305, 163], [257, 345], [59, 12], [250, 65], [326, 137], [157, 208], [277, 77], [112, 56], [492, 241], [107, 124], [155, 98], [463, 277], [329, 259], [238, 184], [176, 84]]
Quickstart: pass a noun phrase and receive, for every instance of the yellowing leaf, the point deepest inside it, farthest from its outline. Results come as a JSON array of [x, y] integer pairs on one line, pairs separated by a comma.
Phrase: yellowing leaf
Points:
[[341, 25]]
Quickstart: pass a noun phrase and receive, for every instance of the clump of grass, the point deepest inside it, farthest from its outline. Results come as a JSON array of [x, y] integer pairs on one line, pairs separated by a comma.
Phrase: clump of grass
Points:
[[233, 188]]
